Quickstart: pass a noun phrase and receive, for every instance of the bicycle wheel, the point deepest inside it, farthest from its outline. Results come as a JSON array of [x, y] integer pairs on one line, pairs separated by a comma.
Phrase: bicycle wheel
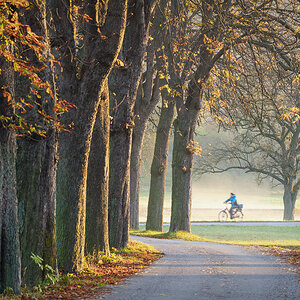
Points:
[[238, 216], [223, 216]]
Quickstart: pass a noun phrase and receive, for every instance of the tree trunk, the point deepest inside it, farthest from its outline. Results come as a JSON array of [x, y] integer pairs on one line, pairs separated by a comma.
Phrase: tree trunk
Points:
[[10, 261], [72, 177], [97, 182], [159, 169], [182, 164], [119, 165], [135, 172], [289, 201], [119, 187], [124, 85], [144, 107], [36, 172], [84, 90]]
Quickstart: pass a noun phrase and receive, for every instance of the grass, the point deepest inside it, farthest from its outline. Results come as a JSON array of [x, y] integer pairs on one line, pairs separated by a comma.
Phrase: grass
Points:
[[179, 235], [251, 235], [100, 271], [285, 237]]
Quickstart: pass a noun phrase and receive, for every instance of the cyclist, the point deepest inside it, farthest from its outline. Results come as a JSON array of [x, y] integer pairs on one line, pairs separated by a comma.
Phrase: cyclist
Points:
[[233, 203]]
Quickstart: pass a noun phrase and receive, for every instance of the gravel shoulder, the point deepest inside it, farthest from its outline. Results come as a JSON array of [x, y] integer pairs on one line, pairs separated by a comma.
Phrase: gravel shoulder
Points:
[[200, 270]]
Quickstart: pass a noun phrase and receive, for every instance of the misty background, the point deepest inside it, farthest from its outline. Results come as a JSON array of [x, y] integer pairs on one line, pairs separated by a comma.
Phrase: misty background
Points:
[[262, 200]]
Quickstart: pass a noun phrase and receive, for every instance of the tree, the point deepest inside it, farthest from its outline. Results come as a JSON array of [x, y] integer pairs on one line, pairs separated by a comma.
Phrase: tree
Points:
[[223, 26], [124, 84], [146, 102], [174, 32], [159, 166], [264, 107], [207, 50], [10, 263], [147, 99], [97, 238], [160, 157], [37, 159], [86, 61], [145, 105], [14, 37]]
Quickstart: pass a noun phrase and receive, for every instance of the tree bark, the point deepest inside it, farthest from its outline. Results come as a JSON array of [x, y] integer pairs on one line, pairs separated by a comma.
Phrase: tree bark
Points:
[[144, 106], [97, 182], [10, 260], [135, 166], [124, 85], [289, 200], [10, 263], [159, 168], [84, 89], [119, 187], [36, 170], [135, 171], [182, 164]]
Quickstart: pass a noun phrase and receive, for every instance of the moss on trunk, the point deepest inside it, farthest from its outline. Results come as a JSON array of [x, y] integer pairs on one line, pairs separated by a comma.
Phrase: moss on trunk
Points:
[[36, 177], [97, 184]]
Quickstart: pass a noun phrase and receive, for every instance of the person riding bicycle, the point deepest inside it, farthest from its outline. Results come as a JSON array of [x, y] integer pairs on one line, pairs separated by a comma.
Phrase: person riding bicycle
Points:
[[233, 203]]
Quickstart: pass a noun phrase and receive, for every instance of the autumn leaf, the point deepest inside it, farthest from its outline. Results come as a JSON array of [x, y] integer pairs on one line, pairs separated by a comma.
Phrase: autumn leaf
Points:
[[119, 63]]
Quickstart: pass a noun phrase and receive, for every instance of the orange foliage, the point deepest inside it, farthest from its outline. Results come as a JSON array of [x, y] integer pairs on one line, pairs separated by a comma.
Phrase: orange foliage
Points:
[[91, 281], [14, 37]]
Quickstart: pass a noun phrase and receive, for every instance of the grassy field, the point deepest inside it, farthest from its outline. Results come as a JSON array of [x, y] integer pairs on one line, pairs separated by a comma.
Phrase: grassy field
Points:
[[253, 235], [275, 236]]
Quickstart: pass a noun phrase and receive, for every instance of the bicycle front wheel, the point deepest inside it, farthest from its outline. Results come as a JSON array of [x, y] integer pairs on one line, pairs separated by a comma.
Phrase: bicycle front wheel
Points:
[[223, 216]]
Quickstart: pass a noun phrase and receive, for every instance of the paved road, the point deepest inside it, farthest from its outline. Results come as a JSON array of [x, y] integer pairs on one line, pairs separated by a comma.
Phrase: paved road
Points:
[[231, 223], [208, 271]]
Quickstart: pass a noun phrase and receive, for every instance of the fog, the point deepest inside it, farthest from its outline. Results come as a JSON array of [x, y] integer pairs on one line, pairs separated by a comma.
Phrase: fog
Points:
[[261, 201], [212, 189]]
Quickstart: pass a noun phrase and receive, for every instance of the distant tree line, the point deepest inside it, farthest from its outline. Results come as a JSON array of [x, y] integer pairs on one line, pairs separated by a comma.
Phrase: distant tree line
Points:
[[80, 80]]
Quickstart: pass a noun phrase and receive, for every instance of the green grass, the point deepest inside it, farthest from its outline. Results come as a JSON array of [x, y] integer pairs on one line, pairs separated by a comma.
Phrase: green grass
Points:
[[275, 236], [251, 235], [179, 235]]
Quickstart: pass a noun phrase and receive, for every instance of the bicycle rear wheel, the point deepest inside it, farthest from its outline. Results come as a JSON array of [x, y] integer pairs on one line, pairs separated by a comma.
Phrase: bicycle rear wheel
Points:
[[238, 216], [223, 216]]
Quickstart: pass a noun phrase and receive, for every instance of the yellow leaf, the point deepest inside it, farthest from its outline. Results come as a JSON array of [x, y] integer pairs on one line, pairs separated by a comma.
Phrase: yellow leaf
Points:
[[119, 63]]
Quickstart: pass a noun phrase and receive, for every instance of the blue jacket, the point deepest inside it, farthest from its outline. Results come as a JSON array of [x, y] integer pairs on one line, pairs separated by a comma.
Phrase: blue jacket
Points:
[[232, 200]]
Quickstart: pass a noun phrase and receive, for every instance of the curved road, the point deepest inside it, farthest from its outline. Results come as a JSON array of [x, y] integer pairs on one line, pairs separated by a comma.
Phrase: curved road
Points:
[[199, 270]]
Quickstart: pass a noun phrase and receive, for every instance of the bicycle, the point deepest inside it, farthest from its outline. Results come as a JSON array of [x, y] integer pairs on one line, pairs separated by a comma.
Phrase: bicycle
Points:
[[237, 213]]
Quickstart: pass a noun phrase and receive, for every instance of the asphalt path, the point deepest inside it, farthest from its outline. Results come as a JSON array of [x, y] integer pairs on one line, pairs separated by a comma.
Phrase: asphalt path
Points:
[[233, 223], [200, 270]]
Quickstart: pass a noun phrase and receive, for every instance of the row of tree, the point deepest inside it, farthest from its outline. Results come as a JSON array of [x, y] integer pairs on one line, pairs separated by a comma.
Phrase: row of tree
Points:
[[243, 64], [80, 80]]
